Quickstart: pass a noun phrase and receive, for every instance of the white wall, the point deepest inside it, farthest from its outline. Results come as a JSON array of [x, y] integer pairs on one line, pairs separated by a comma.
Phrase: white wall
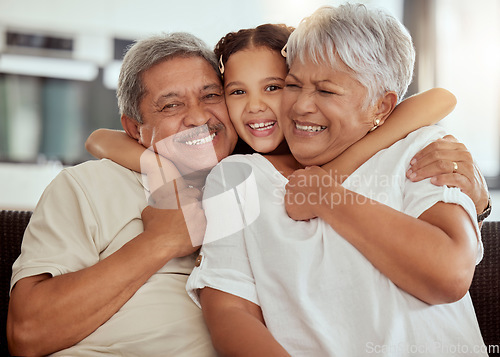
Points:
[[133, 18], [94, 23]]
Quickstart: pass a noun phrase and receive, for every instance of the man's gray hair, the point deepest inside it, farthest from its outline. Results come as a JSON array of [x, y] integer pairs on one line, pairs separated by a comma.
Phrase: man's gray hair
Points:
[[375, 45], [146, 53]]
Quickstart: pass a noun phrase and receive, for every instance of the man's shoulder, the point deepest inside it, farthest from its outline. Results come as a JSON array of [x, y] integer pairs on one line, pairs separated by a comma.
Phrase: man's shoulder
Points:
[[97, 169], [100, 173]]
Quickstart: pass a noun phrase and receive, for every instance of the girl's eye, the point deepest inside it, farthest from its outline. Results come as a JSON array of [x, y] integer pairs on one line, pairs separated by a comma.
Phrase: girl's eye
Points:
[[237, 92], [273, 88]]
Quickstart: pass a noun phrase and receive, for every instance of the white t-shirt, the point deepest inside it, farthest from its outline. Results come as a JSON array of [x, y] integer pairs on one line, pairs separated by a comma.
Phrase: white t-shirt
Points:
[[319, 295], [87, 213]]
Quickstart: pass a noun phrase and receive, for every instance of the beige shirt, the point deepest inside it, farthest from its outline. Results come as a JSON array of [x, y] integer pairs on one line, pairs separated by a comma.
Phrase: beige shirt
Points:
[[86, 214]]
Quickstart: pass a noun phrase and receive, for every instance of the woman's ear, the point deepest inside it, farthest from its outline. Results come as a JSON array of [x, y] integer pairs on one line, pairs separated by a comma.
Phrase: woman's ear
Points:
[[131, 127], [385, 106]]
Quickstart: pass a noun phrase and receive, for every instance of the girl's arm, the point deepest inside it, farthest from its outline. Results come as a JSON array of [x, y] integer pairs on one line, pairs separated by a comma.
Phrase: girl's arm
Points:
[[237, 326], [115, 145], [118, 146], [420, 110], [434, 161]]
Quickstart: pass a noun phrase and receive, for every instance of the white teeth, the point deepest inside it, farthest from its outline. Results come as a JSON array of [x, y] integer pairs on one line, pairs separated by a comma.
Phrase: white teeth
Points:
[[204, 140], [310, 128], [262, 126]]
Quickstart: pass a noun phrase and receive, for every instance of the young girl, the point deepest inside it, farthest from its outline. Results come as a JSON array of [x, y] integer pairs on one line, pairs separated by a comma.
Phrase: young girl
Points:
[[253, 67]]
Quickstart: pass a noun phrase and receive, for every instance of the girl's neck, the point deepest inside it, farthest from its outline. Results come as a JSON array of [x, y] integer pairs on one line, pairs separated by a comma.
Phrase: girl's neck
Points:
[[285, 164], [282, 149]]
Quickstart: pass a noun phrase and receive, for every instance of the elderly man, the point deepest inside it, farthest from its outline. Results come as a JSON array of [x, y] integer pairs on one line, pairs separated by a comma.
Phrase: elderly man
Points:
[[91, 278]]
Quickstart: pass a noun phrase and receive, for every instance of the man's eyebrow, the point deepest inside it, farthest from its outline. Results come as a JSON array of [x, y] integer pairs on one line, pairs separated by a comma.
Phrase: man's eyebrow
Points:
[[168, 95], [213, 86]]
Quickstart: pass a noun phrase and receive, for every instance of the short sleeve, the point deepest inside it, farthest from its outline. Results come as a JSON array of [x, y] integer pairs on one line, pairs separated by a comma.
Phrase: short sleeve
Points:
[[60, 236], [420, 196], [229, 204]]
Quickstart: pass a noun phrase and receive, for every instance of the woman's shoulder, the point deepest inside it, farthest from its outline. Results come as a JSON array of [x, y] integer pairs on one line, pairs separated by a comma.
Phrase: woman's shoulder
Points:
[[415, 141], [399, 155], [425, 135]]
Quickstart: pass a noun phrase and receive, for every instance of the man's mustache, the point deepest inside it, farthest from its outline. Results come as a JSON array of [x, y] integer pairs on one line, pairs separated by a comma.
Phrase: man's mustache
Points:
[[197, 132]]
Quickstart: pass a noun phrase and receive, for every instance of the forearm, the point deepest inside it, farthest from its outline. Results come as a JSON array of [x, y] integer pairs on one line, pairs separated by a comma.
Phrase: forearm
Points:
[[115, 145], [236, 326], [416, 255], [55, 313], [236, 333]]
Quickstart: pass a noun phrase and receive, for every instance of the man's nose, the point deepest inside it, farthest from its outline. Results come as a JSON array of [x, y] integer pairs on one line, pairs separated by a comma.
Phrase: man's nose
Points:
[[196, 115]]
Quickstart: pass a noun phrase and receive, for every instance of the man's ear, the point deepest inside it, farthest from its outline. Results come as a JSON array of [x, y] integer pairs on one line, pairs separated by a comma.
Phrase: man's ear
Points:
[[131, 127], [385, 106]]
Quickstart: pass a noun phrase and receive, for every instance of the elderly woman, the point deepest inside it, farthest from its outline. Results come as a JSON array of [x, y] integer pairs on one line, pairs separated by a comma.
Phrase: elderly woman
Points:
[[379, 264]]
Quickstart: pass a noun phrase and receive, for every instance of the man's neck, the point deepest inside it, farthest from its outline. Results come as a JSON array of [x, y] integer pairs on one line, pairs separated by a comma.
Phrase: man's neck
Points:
[[196, 179]]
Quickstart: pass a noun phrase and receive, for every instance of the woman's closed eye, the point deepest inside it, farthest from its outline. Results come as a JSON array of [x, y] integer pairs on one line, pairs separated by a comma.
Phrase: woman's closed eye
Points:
[[326, 92], [292, 86]]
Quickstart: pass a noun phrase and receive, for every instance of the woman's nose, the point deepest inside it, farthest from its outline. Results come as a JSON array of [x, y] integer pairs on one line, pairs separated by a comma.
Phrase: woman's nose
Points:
[[304, 103]]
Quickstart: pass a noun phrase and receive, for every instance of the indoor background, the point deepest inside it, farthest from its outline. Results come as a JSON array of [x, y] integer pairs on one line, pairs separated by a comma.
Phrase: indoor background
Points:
[[59, 62]]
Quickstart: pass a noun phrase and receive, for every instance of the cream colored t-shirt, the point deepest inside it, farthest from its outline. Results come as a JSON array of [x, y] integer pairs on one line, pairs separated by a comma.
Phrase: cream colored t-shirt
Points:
[[86, 214]]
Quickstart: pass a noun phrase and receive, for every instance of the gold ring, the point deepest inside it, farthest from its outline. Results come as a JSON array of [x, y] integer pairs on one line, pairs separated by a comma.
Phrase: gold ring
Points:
[[455, 167]]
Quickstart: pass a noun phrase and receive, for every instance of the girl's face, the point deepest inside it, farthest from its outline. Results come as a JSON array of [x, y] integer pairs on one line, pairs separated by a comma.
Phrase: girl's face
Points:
[[253, 84]]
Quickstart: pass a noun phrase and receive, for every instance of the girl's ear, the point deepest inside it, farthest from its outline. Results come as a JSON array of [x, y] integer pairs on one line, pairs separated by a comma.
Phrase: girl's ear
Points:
[[131, 127], [385, 106]]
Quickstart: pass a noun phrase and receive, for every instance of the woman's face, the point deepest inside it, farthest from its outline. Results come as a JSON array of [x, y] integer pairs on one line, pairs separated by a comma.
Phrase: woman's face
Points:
[[322, 111], [253, 84]]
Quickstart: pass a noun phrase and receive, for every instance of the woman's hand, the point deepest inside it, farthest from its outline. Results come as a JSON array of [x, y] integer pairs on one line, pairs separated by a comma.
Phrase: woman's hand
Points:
[[437, 161], [309, 190]]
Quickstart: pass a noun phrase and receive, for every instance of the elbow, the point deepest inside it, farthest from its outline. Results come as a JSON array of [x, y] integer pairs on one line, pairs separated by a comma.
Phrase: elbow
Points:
[[92, 143], [448, 98], [21, 339], [451, 288]]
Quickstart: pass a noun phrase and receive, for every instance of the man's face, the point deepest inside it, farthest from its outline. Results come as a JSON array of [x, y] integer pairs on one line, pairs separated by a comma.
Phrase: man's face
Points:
[[184, 114]]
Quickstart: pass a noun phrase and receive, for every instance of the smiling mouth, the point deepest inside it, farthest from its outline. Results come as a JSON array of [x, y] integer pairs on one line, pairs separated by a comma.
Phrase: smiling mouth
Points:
[[310, 128], [200, 135], [262, 126], [201, 141]]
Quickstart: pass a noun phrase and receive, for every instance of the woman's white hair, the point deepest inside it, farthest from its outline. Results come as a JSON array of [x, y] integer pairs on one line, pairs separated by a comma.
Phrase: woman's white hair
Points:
[[375, 45]]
